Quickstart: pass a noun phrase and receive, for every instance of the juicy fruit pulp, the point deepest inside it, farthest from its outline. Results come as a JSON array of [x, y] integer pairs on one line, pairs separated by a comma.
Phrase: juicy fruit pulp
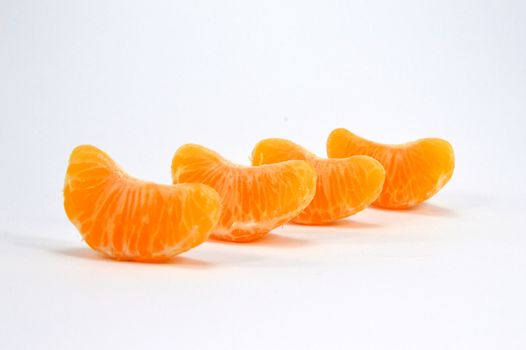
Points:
[[415, 171], [255, 199], [344, 186], [128, 219]]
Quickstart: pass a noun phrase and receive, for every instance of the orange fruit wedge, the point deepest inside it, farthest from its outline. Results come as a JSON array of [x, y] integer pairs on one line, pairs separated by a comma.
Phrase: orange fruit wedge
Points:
[[128, 219], [344, 186], [415, 171], [255, 199]]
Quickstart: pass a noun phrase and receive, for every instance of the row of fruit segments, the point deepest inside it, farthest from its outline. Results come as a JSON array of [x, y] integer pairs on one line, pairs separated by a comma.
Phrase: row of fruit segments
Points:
[[128, 219]]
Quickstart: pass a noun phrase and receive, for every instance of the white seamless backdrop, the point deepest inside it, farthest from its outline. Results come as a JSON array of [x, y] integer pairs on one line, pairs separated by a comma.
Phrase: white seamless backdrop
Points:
[[139, 79]]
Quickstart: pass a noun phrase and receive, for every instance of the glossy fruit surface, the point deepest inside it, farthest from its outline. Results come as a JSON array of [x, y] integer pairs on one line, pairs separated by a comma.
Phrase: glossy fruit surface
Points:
[[255, 199], [129, 219], [344, 186], [415, 171]]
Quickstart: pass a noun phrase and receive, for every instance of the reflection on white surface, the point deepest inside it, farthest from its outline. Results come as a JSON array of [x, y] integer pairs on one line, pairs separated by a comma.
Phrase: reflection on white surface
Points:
[[138, 79]]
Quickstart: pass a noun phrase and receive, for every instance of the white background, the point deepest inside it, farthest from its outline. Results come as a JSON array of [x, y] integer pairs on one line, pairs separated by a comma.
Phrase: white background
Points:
[[139, 79]]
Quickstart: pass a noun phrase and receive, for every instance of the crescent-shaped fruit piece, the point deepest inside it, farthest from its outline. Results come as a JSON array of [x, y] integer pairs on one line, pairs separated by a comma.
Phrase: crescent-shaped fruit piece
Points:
[[344, 186], [255, 199], [128, 219], [415, 171]]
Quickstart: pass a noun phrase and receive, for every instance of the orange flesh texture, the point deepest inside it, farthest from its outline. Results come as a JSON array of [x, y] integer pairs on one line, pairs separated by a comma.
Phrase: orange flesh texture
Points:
[[415, 171], [128, 219], [255, 199], [344, 186]]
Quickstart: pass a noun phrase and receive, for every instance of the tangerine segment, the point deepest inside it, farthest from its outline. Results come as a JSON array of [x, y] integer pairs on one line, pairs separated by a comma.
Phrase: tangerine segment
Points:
[[128, 219], [255, 199], [415, 171], [344, 186]]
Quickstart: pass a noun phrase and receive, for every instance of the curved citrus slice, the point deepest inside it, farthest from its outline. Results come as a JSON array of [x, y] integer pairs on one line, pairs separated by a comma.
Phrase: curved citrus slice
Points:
[[344, 186], [128, 219], [255, 199], [415, 171]]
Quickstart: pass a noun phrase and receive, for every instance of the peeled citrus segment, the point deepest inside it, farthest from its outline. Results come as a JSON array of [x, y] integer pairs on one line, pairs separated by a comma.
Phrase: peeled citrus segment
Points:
[[344, 186], [415, 171], [128, 219], [255, 199]]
